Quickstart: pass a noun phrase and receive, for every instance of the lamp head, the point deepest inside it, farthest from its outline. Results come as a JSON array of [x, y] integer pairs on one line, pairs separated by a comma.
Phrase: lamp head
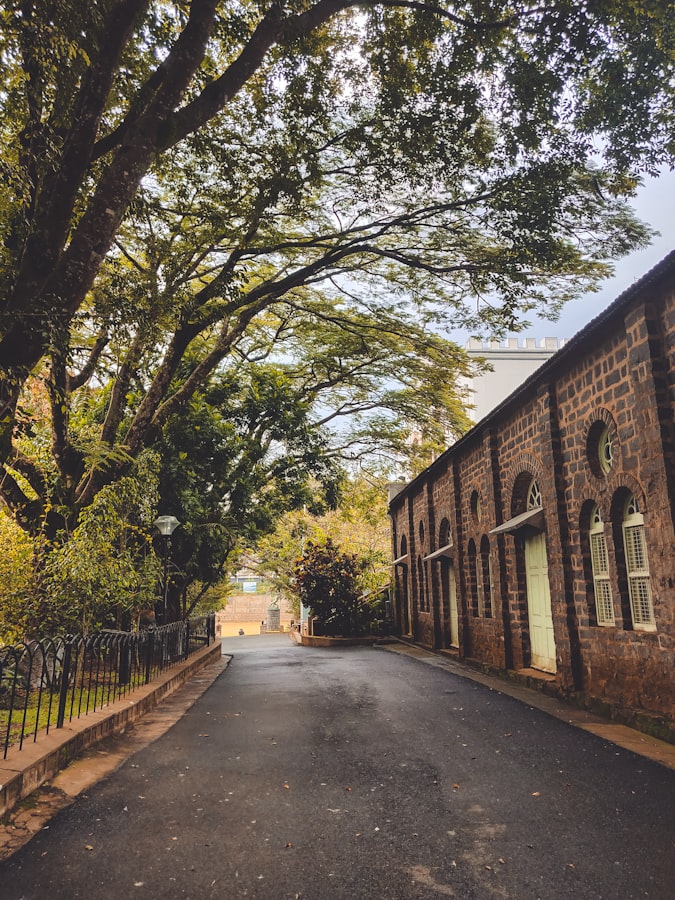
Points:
[[166, 525]]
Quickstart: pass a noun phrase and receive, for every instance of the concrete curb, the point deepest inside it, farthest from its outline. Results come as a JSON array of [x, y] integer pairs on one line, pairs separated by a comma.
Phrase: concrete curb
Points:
[[25, 770], [311, 640]]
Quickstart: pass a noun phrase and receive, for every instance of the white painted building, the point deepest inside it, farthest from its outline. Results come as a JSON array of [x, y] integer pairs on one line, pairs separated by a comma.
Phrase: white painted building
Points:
[[511, 363]]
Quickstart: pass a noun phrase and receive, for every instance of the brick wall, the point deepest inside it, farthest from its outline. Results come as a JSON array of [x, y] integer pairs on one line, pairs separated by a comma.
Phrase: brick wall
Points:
[[616, 378]]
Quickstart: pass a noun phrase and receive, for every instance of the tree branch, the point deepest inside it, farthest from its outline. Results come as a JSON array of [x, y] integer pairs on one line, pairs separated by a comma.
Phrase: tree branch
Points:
[[30, 471], [77, 380], [24, 510]]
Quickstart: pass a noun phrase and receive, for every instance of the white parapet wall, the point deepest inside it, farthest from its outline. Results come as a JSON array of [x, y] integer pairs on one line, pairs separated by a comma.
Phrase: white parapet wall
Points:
[[511, 361]]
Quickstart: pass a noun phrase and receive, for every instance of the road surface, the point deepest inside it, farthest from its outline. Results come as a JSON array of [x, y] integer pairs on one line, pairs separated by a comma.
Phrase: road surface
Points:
[[359, 773]]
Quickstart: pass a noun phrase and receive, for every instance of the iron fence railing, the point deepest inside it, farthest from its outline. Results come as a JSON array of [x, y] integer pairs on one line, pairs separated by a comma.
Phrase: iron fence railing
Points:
[[46, 683]]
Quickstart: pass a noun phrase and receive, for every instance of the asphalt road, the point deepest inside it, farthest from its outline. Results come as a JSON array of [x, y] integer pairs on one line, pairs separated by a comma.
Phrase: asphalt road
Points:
[[359, 773]]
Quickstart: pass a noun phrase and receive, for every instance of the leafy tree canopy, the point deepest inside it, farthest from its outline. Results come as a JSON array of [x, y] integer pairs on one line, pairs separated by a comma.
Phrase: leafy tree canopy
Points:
[[100, 574], [240, 455], [327, 583], [16, 578], [325, 186], [394, 138], [358, 526]]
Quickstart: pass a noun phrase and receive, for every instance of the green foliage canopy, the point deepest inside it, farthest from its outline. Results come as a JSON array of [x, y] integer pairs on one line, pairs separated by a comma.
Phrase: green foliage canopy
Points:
[[241, 455], [397, 139], [327, 583], [358, 526], [16, 579], [102, 574], [325, 185]]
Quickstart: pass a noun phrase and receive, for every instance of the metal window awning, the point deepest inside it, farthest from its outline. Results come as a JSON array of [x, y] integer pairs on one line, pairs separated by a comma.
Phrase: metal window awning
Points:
[[533, 518], [442, 551], [401, 561]]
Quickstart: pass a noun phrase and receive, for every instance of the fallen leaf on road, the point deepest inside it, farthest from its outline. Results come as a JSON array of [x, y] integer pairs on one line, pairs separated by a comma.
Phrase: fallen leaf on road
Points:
[[88, 847], [455, 787], [348, 789], [287, 786], [536, 794], [289, 844]]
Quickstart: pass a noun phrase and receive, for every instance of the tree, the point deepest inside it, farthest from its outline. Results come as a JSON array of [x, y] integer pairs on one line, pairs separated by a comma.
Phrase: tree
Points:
[[106, 571], [102, 574], [16, 579], [359, 526], [307, 369], [241, 455], [444, 148], [190, 188], [327, 583]]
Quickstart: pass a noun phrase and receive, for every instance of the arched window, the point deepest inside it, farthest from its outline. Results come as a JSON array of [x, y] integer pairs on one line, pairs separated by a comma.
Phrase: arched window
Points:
[[605, 451], [420, 584], [485, 575], [534, 496], [444, 534], [602, 590], [476, 506], [474, 584], [637, 567], [601, 446]]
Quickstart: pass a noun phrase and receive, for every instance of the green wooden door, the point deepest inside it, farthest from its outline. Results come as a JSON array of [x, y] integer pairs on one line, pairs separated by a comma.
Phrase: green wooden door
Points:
[[542, 641]]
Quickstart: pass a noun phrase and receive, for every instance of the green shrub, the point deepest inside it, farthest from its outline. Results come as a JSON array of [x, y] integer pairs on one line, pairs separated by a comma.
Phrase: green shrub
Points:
[[329, 582]]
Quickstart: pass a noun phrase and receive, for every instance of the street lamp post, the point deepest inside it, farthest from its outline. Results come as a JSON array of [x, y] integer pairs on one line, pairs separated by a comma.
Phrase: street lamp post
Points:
[[166, 525]]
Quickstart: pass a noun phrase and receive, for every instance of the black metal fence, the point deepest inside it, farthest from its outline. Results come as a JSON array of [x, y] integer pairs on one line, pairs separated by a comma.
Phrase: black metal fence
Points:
[[46, 683]]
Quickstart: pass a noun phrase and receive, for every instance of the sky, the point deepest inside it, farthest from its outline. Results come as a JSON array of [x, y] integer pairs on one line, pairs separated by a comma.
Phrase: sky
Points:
[[655, 205]]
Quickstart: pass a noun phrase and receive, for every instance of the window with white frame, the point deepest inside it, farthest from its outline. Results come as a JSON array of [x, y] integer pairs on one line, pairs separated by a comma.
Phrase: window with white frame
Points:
[[534, 496], [605, 451], [637, 567], [604, 607]]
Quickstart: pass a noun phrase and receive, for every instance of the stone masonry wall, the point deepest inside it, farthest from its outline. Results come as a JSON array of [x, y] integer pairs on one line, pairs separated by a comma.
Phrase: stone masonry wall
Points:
[[617, 378]]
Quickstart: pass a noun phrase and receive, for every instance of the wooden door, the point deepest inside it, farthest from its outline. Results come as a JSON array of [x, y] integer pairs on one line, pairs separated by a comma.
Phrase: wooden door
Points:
[[542, 641]]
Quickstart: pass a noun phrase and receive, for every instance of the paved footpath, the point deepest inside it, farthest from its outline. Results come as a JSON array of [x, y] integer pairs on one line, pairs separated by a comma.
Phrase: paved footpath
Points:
[[360, 773]]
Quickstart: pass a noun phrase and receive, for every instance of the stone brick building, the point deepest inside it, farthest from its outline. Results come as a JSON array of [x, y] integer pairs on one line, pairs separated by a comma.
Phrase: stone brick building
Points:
[[544, 540]]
